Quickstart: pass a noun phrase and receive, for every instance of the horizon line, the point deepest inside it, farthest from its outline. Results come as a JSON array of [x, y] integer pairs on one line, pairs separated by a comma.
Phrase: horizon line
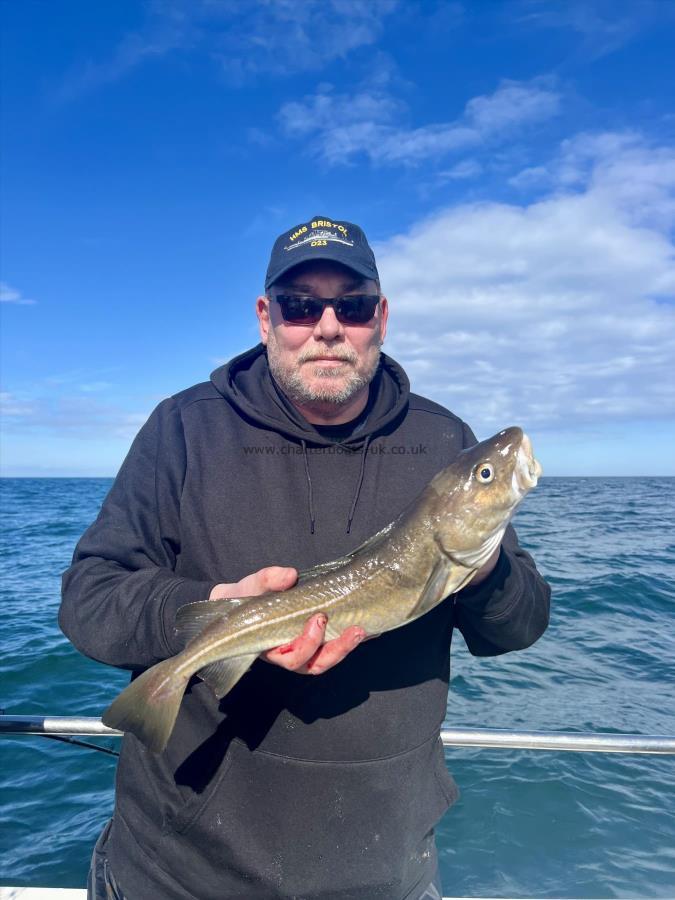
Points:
[[541, 477]]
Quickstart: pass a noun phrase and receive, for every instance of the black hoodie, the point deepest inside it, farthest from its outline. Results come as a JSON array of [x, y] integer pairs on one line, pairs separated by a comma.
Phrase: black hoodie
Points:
[[323, 788]]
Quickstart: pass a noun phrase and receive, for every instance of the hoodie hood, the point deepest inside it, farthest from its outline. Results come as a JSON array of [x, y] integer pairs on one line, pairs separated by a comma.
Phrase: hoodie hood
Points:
[[246, 383]]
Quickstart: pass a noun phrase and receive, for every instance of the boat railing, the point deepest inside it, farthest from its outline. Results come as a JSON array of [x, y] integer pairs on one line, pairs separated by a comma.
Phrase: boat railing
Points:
[[494, 738]]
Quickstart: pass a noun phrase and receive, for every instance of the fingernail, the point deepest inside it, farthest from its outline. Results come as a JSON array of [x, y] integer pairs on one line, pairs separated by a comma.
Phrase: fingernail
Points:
[[321, 621]]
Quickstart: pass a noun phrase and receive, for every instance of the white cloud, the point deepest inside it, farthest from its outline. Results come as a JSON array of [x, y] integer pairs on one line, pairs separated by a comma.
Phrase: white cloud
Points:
[[71, 402], [243, 39], [467, 168], [622, 171], [604, 26], [9, 294], [342, 126], [619, 169], [290, 36], [531, 178], [10, 405], [558, 312], [325, 110], [154, 42], [513, 104], [23, 413]]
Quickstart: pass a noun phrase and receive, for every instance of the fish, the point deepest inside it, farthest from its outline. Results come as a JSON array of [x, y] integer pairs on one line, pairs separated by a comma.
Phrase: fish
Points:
[[430, 551]]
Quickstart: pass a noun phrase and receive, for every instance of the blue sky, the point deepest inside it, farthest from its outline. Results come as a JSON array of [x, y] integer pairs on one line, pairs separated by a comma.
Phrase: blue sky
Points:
[[512, 163]]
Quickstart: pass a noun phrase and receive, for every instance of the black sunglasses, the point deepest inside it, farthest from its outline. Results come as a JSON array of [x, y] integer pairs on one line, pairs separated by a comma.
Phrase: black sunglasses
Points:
[[354, 309]]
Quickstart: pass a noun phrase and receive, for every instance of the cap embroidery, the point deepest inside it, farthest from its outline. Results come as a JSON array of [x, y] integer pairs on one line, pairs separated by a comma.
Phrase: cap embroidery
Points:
[[318, 238]]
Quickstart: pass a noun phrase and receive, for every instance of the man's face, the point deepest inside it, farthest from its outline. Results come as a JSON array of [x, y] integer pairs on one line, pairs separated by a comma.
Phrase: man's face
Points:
[[330, 362]]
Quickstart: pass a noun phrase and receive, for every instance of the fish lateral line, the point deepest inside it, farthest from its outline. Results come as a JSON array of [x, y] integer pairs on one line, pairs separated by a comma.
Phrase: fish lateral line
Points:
[[310, 609]]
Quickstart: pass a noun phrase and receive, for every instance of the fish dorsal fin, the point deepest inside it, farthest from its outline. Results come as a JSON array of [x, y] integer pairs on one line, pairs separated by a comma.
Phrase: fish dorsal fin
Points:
[[435, 588], [365, 547], [222, 675], [193, 618]]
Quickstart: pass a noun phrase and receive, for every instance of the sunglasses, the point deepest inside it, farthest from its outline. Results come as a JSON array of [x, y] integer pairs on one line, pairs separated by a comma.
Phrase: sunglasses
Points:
[[355, 309]]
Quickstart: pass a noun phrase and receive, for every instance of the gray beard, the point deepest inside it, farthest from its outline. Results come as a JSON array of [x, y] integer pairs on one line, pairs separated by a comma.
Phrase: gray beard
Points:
[[298, 392]]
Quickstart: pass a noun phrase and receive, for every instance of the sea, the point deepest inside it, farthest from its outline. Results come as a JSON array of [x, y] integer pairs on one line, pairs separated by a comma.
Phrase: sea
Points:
[[528, 823]]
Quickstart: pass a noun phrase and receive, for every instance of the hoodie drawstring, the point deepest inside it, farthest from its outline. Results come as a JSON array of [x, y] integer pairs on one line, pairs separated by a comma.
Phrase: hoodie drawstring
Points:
[[358, 484], [309, 486], [310, 493]]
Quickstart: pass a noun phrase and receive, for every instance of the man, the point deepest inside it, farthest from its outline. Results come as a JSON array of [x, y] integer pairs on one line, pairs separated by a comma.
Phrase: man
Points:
[[294, 453]]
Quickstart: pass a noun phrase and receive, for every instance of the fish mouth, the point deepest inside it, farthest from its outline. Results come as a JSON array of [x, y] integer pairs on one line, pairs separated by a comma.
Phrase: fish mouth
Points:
[[527, 470]]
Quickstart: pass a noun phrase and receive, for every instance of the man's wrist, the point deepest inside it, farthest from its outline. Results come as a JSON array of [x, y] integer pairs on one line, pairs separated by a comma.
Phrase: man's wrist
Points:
[[486, 570], [475, 595]]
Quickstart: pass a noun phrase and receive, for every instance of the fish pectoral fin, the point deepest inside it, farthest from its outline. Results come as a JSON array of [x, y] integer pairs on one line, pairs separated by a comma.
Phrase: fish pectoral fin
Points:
[[222, 675], [459, 581], [193, 618], [435, 588]]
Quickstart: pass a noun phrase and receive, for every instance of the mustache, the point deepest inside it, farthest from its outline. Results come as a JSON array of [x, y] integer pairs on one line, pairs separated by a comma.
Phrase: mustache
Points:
[[333, 355]]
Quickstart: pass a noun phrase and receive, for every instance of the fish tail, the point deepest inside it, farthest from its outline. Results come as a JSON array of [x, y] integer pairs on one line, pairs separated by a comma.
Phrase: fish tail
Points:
[[149, 706]]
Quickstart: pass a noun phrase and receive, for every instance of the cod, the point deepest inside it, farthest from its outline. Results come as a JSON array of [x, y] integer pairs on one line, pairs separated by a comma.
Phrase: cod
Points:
[[430, 551]]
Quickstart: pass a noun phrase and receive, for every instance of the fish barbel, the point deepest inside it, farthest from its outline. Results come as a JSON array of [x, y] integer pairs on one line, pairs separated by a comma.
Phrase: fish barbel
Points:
[[431, 550]]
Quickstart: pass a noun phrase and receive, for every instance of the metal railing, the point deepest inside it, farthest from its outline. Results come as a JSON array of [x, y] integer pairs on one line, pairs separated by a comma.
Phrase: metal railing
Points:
[[451, 737]]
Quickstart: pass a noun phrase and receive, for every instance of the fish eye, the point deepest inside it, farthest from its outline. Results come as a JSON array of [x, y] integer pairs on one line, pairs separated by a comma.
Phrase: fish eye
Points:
[[484, 473]]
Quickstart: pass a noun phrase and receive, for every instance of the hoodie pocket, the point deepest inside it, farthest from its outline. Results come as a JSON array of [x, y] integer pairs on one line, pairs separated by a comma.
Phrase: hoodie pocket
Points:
[[279, 827]]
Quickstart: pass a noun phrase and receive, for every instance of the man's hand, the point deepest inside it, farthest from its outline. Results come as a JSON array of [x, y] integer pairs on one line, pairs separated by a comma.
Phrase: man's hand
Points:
[[271, 578], [307, 654]]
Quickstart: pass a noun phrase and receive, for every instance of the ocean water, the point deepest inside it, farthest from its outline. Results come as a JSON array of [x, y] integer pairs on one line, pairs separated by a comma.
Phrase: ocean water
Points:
[[528, 823]]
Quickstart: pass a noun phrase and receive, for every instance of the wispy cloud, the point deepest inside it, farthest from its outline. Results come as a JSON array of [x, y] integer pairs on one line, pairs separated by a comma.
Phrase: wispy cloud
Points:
[[161, 35], [604, 26], [73, 402], [59, 414], [64, 434], [467, 168], [620, 168], [550, 314], [10, 405], [290, 36], [9, 294], [242, 39], [344, 125]]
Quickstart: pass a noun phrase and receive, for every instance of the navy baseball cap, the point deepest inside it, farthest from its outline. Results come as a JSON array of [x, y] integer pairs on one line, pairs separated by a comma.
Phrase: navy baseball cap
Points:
[[322, 238]]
